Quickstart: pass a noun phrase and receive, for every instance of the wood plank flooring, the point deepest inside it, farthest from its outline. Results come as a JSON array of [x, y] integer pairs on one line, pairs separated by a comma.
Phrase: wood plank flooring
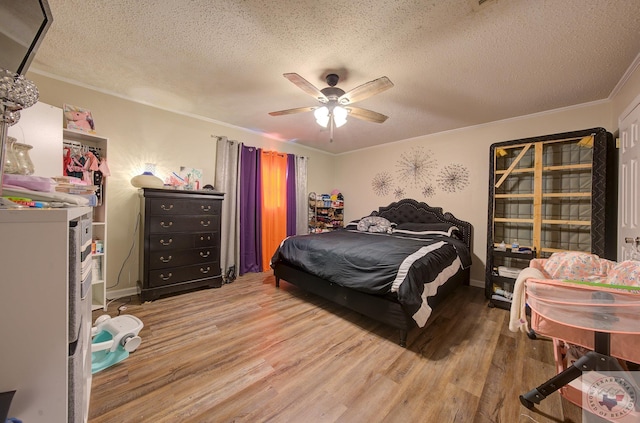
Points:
[[250, 352]]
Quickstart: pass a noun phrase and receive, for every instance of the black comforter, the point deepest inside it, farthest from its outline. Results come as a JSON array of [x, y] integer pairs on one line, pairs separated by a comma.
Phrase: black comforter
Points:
[[411, 267]]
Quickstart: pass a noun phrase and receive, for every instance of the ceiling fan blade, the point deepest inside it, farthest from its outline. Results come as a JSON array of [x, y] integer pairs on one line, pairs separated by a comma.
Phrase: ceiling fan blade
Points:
[[368, 115], [306, 86], [366, 90], [292, 111]]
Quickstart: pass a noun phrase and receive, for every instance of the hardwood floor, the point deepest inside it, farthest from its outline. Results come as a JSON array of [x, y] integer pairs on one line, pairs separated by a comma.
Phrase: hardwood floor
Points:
[[250, 352]]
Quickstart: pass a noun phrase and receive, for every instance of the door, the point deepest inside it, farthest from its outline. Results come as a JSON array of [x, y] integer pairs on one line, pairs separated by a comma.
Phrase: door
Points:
[[629, 187]]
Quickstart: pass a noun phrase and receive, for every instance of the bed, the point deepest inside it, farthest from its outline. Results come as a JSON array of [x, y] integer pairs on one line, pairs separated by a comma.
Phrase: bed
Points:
[[395, 275]]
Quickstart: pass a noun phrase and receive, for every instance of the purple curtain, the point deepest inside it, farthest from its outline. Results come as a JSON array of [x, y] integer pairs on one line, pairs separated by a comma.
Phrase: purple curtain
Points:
[[291, 194], [250, 211]]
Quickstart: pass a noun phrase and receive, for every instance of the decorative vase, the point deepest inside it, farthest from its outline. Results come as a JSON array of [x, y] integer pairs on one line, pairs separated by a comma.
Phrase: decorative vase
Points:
[[10, 159], [25, 165]]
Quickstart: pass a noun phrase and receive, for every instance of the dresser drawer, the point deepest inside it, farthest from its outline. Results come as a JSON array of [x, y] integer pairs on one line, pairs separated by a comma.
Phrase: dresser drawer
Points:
[[177, 241], [166, 259], [181, 206], [163, 277], [171, 223]]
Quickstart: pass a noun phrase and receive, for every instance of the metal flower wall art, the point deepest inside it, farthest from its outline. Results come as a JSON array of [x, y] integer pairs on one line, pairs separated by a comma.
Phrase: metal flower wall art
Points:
[[417, 169], [381, 184], [399, 193], [454, 177], [428, 191]]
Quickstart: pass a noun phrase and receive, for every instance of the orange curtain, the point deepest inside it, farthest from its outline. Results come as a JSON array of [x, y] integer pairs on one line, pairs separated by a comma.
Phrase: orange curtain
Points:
[[274, 203]]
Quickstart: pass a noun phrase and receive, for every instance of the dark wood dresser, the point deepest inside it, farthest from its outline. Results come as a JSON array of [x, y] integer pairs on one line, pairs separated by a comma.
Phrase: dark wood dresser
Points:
[[180, 241]]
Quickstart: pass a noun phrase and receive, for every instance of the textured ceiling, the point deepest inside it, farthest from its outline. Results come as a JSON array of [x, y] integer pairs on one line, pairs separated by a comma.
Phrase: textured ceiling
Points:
[[454, 63]]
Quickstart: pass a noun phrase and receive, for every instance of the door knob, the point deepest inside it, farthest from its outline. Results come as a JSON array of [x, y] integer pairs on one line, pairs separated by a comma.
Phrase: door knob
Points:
[[629, 240]]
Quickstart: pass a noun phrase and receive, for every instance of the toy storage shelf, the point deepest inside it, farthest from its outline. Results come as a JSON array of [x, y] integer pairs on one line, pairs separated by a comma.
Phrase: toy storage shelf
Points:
[[325, 214], [99, 255], [552, 193]]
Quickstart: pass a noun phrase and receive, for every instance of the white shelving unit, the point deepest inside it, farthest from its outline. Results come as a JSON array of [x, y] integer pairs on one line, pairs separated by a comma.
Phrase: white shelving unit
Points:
[[50, 372], [99, 276]]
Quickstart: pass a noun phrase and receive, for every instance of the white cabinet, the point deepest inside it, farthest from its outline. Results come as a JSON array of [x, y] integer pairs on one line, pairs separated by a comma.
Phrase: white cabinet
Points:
[[46, 333], [98, 145]]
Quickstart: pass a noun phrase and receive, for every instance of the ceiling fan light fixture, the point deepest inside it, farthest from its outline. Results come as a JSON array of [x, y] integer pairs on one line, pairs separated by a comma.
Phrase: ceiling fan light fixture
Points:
[[322, 116], [339, 116]]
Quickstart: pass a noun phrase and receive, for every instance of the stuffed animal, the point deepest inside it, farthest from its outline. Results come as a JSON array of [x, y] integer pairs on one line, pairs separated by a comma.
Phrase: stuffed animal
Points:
[[79, 120]]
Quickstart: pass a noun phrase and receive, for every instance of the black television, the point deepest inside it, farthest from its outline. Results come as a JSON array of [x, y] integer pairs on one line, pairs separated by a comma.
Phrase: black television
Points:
[[23, 25]]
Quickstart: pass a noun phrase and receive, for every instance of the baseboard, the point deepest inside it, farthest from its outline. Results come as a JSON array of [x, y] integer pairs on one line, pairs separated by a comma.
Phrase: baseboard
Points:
[[120, 293], [476, 283]]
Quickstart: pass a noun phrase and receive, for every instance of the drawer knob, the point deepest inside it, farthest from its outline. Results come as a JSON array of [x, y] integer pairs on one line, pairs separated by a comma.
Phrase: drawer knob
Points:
[[166, 278], [205, 208], [166, 225], [208, 238], [205, 224], [163, 242], [205, 254], [165, 260], [202, 270], [169, 207]]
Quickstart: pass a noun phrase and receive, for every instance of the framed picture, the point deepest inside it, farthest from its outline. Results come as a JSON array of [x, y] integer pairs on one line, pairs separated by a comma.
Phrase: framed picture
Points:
[[78, 118]]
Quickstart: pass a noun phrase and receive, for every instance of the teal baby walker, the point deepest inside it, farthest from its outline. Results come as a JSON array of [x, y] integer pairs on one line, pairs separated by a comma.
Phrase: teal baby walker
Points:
[[113, 338]]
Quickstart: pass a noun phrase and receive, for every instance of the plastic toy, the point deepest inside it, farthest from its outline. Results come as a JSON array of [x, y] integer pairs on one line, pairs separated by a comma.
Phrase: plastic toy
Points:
[[113, 340]]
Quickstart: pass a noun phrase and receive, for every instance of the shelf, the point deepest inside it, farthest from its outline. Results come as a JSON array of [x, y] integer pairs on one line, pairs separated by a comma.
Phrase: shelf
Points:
[[81, 136], [525, 255], [323, 218], [500, 303], [99, 215], [505, 281]]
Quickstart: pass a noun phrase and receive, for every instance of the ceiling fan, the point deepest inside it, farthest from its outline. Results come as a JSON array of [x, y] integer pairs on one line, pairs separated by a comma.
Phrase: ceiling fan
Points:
[[336, 103]]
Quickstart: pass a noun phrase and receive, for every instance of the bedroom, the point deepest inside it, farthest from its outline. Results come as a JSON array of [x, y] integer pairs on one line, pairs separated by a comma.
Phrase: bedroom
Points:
[[135, 130]]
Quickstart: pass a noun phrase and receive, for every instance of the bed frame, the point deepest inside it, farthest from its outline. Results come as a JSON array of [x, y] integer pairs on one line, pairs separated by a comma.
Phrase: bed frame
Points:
[[385, 309]]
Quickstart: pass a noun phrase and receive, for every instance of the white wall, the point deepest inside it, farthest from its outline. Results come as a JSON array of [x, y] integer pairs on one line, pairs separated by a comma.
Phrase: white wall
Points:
[[139, 134], [39, 126], [628, 92]]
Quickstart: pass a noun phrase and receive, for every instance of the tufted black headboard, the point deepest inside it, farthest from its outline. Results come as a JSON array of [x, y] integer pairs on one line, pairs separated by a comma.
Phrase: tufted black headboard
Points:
[[409, 210]]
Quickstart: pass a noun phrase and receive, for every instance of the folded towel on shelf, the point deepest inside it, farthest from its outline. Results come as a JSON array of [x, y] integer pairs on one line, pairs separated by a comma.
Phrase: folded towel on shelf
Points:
[[69, 199], [31, 182]]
